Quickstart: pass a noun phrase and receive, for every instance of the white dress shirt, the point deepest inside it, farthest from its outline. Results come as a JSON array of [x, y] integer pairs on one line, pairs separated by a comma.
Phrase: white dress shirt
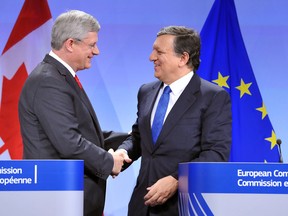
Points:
[[51, 53], [177, 88]]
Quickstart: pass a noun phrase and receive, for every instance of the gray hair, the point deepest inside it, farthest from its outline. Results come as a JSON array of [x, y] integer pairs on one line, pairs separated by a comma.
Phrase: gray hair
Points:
[[186, 40], [72, 24]]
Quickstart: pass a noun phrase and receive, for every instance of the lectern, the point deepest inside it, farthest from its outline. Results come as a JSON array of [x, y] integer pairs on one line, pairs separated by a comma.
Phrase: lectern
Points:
[[41, 187], [238, 189]]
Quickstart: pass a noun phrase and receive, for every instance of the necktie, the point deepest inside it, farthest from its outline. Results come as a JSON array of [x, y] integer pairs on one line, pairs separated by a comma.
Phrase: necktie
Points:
[[78, 82], [160, 113]]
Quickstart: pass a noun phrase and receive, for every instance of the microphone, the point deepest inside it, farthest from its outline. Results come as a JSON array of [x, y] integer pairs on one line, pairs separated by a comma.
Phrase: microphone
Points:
[[279, 142]]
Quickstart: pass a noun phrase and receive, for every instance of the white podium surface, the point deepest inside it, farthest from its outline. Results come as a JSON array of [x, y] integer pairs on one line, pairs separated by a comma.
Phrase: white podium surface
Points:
[[41, 187], [238, 189]]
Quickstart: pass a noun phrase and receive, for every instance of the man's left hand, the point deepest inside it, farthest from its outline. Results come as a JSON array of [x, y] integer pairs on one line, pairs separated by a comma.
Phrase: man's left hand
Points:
[[161, 191]]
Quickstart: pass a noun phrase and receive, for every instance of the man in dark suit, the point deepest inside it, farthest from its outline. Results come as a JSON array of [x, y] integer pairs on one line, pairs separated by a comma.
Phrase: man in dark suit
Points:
[[197, 123], [56, 117]]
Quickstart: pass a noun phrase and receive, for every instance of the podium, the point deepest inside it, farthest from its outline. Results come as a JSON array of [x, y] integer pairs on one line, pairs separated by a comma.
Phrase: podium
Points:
[[41, 187], [238, 189]]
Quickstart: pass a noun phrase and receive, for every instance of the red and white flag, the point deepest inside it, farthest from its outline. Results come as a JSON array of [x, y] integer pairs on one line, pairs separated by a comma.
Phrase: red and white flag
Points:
[[28, 42]]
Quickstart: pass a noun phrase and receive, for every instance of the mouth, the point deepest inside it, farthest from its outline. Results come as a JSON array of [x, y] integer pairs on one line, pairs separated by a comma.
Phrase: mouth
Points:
[[89, 59], [156, 66]]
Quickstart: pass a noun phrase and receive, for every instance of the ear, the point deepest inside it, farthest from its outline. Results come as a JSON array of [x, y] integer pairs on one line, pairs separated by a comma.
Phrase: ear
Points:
[[184, 59], [69, 44]]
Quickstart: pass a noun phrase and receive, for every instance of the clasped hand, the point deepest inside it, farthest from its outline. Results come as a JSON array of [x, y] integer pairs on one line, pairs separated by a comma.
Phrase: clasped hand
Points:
[[119, 156]]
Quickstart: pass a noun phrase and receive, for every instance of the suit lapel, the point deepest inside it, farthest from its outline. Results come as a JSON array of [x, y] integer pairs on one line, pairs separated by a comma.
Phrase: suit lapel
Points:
[[184, 102], [149, 103], [84, 98], [88, 104], [81, 93]]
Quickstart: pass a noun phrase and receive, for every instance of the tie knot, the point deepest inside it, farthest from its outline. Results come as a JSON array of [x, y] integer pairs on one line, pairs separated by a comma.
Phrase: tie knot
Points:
[[167, 90]]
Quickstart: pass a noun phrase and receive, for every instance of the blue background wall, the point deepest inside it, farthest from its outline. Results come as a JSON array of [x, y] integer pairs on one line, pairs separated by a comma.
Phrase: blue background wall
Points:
[[128, 31]]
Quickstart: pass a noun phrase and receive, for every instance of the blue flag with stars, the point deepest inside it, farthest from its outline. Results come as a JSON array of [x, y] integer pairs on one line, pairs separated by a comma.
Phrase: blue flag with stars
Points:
[[225, 62]]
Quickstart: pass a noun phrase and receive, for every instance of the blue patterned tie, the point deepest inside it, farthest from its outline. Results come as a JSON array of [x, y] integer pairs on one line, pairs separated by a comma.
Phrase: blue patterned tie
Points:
[[160, 113]]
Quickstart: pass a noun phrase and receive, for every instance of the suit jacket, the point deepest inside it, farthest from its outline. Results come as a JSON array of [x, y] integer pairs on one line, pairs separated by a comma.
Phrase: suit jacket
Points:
[[198, 128], [58, 122]]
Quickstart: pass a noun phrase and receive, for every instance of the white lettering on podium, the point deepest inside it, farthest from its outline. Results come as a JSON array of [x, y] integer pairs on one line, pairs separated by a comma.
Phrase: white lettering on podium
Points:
[[254, 174], [12, 180], [8, 176], [260, 183], [278, 173], [35, 174], [10, 170], [262, 178]]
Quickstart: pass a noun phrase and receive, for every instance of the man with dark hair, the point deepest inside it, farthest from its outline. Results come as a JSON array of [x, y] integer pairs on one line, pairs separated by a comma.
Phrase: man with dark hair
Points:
[[180, 118]]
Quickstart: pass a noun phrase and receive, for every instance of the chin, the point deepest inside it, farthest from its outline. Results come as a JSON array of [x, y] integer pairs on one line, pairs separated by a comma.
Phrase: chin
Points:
[[157, 75], [87, 66]]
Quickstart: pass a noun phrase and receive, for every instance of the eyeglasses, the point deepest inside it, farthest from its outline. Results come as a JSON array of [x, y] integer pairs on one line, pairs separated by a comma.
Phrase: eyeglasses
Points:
[[92, 46]]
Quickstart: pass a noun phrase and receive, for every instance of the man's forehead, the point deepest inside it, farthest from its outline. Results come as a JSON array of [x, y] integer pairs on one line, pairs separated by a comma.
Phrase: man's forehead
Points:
[[164, 42]]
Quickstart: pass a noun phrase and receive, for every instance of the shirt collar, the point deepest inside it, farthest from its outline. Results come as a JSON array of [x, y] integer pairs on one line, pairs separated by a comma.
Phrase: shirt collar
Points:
[[51, 53], [179, 85]]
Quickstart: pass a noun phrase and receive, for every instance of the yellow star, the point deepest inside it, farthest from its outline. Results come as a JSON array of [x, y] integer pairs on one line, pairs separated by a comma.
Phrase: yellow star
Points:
[[272, 139], [244, 88], [263, 110], [221, 81]]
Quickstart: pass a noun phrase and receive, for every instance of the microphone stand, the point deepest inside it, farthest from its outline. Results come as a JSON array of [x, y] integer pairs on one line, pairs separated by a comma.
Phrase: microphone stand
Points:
[[279, 142]]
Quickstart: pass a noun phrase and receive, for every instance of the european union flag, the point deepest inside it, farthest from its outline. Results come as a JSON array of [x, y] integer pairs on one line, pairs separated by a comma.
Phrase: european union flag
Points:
[[224, 61]]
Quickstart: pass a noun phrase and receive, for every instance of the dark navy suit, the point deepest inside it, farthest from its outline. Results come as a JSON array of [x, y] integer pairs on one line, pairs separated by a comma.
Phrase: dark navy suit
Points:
[[198, 128]]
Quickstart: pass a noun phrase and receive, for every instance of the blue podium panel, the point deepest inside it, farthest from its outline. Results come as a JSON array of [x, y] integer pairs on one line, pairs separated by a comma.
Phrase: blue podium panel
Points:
[[233, 189], [41, 187]]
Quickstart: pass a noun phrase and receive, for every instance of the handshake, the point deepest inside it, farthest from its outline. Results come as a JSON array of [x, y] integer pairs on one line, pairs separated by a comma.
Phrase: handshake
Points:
[[119, 156]]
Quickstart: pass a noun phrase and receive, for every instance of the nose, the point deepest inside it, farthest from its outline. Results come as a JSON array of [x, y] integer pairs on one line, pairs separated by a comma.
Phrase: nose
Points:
[[152, 56], [95, 50]]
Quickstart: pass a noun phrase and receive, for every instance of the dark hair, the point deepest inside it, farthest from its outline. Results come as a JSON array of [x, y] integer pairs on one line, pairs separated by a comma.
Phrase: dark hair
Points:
[[186, 40]]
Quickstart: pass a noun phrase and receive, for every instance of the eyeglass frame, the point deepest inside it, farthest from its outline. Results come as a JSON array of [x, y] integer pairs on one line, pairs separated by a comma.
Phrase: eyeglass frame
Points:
[[92, 46]]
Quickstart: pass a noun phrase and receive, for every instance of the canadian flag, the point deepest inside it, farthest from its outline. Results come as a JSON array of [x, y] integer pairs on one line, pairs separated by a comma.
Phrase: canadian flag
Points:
[[28, 42]]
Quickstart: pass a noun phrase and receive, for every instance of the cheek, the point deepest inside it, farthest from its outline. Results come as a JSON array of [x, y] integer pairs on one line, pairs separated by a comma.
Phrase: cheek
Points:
[[87, 64], [85, 57]]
